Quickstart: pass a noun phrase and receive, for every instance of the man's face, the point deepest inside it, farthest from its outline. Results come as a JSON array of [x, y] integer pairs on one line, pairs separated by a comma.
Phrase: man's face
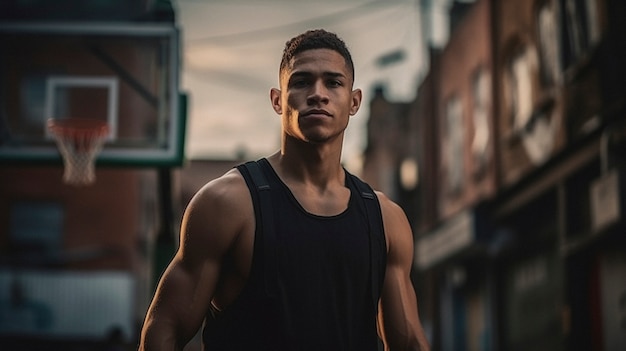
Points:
[[316, 97]]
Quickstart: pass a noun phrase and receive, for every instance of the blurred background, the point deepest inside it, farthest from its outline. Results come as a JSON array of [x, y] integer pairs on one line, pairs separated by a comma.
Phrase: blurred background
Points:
[[499, 126]]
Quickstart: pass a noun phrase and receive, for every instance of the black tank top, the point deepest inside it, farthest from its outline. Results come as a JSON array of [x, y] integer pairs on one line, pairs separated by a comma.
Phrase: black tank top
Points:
[[310, 284]]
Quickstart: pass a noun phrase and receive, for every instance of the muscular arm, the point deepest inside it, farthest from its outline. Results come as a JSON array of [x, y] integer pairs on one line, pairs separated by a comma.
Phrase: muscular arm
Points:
[[210, 226], [399, 322]]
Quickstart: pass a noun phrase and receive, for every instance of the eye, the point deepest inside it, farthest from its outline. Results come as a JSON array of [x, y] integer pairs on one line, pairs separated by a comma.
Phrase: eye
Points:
[[299, 83], [334, 83]]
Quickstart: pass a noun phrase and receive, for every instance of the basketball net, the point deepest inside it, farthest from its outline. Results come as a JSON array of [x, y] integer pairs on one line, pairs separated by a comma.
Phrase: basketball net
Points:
[[79, 141]]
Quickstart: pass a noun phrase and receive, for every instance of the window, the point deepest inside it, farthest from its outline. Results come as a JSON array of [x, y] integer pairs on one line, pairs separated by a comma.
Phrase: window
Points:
[[520, 73], [550, 52], [531, 123], [481, 94], [453, 146], [581, 29]]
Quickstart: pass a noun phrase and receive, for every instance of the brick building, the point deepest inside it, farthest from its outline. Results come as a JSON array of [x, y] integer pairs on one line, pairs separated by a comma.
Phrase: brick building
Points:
[[519, 226]]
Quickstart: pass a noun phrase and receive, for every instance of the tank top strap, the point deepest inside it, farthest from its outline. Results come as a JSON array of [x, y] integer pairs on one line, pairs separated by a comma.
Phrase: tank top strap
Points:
[[260, 189], [378, 244]]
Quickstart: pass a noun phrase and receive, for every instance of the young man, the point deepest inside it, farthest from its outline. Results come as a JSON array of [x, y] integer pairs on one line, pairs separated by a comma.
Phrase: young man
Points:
[[295, 259]]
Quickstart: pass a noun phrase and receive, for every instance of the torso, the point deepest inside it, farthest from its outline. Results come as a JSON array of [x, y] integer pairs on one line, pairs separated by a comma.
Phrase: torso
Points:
[[323, 247], [236, 266]]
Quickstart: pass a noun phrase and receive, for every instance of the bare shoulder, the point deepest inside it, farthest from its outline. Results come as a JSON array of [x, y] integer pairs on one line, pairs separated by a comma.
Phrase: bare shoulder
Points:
[[217, 213], [393, 215], [397, 228], [389, 207], [228, 190]]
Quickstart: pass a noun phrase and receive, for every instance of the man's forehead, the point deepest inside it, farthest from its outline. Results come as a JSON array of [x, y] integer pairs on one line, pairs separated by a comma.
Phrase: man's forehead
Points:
[[330, 61]]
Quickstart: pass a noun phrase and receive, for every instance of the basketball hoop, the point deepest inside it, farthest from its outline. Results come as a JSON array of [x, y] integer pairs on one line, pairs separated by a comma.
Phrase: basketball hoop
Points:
[[79, 141]]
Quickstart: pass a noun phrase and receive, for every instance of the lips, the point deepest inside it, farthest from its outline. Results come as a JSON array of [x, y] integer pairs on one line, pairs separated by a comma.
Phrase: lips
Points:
[[316, 112]]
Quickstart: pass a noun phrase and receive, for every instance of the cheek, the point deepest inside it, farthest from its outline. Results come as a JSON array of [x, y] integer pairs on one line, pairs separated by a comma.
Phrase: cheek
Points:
[[292, 100]]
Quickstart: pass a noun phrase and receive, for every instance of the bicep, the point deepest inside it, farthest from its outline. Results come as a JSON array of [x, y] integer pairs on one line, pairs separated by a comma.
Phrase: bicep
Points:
[[181, 299], [185, 290], [398, 305]]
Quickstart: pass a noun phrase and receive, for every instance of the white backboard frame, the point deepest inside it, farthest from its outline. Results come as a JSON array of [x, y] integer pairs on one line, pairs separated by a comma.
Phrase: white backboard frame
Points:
[[110, 83]]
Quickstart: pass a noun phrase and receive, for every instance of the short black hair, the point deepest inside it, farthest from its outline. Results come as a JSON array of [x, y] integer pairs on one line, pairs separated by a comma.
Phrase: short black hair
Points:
[[316, 39]]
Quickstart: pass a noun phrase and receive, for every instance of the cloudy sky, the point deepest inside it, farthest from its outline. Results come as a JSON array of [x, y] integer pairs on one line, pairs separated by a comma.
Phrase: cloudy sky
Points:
[[232, 49]]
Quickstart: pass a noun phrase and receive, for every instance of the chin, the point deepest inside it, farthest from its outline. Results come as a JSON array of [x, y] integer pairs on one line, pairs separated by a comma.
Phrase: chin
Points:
[[318, 139]]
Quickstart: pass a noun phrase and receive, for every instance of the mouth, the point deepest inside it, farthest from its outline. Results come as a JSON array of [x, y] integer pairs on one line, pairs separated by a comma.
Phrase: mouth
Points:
[[316, 113]]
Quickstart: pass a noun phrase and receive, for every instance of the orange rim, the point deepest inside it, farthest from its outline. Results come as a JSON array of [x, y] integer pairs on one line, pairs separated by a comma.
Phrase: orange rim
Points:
[[73, 127]]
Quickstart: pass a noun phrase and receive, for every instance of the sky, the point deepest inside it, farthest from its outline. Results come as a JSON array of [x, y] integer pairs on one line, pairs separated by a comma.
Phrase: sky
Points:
[[232, 49]]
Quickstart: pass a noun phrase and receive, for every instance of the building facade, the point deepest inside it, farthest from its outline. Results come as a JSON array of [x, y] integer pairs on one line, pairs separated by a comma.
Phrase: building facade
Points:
[[519, 227]]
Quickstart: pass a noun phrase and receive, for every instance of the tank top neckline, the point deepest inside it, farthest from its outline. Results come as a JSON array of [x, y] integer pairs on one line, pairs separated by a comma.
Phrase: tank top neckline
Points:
[[297, 203]]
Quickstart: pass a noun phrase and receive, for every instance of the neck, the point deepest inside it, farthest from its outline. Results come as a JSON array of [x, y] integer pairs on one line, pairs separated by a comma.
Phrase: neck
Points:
[[309, 163]]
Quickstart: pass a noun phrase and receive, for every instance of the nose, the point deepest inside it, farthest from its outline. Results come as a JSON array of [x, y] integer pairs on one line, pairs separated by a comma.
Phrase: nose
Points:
[[318, 94]]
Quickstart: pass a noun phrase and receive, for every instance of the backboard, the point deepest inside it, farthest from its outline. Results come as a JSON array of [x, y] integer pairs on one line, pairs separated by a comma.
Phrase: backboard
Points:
[[124, 74]]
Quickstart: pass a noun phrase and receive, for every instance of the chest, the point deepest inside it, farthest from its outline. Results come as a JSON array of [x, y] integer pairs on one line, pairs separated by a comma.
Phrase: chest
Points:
[[314, 254], [328, 203], [301, 239]]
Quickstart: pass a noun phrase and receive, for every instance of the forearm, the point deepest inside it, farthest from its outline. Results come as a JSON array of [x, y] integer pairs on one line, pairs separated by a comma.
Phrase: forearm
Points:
[[420, 343], [404, 333], [399, 316]]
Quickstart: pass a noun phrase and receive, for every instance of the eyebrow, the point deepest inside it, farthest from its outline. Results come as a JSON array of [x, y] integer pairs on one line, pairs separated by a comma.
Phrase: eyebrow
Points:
[[325, 74]]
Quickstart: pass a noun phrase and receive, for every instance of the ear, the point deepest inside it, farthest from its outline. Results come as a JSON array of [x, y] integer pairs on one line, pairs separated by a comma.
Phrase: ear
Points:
[[357, 95], [276, 100]]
